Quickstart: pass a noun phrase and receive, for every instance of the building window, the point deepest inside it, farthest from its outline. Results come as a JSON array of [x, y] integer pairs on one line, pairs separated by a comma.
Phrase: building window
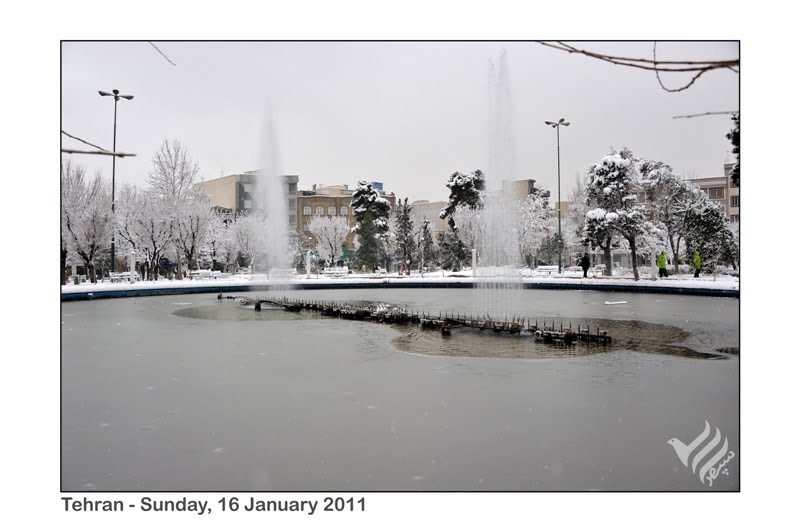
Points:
[[292, 188], [292, 204], [307, 210], [716, 192], [248, 204], [305, 227], [331, 211], [343, 211], [292, 220], [247, 187], [735, 218], [734, 201], [320, 211]]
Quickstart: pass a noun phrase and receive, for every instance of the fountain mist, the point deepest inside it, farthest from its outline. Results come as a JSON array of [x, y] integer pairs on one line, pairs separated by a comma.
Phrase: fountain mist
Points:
[[272, 198], [498, 251]]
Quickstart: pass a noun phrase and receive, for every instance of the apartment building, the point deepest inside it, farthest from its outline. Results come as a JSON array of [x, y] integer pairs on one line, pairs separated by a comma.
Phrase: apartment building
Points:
[[242, 193], [331, 200], [522, 188], [422, 209], [720, 190]]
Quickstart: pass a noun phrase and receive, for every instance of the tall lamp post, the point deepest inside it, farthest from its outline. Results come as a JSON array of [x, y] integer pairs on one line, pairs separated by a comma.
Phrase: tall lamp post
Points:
[[115, 93], [558, 125]]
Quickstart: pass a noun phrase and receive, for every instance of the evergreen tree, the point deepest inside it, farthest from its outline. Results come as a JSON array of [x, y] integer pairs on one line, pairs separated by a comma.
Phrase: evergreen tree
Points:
[[404, 237], [708, 232], [733, 136], [366, 200], [452, 250], [465, 190], [426, 246], [369, 252]]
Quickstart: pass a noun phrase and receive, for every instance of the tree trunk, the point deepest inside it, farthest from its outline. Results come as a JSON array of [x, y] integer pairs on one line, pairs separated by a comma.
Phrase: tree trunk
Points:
[[675, 249], [179, 265], [607, 256], [632, 242], [91, 271], [63, 266]]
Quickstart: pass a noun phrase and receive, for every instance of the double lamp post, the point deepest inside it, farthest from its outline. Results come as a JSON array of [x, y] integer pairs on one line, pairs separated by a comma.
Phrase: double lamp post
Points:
[[115, 93], [557, 126]]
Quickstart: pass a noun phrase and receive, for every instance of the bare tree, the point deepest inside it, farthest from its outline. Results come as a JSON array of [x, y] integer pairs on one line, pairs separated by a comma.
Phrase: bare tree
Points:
[[193, 216], [173, 177], [86, 216], [532, 217], [248, 234], [154, 232], [174, 172], [130, 206], [219, 244], [72, 186], [330, 234]]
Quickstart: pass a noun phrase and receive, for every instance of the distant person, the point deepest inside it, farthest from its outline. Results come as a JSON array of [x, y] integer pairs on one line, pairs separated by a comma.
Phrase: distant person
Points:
[[698, 263], [585, 263], [661, 262]]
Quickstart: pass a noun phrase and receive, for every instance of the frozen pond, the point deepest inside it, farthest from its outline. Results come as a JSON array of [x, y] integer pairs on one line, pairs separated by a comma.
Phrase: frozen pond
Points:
[[190, 393]]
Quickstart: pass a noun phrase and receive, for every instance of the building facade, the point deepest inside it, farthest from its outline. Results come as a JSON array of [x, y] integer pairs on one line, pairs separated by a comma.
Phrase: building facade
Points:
[[720, 190], [330, 200], [522, 188], [239, 193], [422, 209]]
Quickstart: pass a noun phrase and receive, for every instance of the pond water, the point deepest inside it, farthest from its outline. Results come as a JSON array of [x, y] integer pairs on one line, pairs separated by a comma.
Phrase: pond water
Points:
[[185, 393]]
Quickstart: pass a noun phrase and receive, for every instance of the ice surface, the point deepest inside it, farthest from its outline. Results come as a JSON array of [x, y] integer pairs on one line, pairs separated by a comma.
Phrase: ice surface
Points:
[[299, 418]]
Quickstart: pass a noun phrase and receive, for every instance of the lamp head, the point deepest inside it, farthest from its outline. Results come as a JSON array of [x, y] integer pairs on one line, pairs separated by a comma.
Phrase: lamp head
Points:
[[115, 93]]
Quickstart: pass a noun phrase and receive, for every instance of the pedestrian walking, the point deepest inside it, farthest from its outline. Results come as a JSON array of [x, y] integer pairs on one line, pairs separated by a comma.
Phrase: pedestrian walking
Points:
[[661, 262], [697, 262], [585, 263]]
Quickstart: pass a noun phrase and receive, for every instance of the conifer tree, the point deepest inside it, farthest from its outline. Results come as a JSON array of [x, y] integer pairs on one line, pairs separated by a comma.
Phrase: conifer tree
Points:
[[733, 136], [368, 254], [404, 237]]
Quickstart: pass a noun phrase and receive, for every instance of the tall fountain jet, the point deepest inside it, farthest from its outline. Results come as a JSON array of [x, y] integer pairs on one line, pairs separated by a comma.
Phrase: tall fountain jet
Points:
[[498, 252], [272, 199]]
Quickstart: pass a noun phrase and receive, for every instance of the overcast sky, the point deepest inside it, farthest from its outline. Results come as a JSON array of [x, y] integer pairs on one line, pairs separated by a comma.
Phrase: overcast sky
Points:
[[404, 113]]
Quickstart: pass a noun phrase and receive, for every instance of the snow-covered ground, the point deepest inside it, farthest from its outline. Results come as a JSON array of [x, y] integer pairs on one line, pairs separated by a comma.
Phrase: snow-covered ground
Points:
[[724, 283]]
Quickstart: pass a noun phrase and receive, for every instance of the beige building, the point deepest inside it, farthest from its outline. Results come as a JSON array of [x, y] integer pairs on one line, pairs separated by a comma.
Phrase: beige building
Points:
[[237, 193], [330, 200], [422, 209], [564, 207], [719, 189], [522, 188]]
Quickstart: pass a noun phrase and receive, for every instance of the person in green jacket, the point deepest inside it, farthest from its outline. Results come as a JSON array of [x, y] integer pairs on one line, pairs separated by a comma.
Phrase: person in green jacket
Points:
[[698, 264], [661, 262]]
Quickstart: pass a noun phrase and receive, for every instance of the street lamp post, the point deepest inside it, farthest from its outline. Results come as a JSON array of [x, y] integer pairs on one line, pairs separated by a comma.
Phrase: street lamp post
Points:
[[558, 125], [115, 93]]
